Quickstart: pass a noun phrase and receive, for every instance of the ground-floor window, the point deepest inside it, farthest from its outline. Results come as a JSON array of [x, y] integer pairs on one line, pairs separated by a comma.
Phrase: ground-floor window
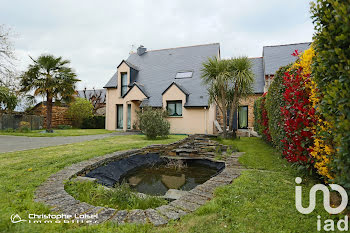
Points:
[[119, 116], [243, 117], [129, 116], [174, 108]]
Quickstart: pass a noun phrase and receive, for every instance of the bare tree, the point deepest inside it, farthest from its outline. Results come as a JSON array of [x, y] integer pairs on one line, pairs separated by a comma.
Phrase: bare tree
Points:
[[96, 98], [7, 57]]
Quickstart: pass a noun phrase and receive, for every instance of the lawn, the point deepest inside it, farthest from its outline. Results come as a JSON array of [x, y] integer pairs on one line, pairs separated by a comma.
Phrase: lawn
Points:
[[260, 200], [57, 132], [21, 172]]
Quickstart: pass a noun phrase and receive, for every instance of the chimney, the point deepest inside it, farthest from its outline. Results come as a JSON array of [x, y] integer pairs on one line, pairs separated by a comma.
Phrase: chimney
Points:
[[141, 50]]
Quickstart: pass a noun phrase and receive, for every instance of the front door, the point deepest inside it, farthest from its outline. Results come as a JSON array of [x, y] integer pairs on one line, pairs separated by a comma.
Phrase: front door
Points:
[[243, 117], [119, 116]]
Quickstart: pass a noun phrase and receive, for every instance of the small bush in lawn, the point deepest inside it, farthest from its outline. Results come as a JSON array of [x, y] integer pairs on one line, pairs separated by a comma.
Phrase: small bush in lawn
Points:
[[153, 123], [24, 127]]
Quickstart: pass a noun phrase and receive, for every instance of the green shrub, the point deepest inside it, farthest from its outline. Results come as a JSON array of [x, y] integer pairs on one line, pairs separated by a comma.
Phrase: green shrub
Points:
[[153, 123], [94, 122], [24, 127], [274, 102], [64, 127], [120, 197], [257, 116], [9, 130], [79, 109], [331, 70]]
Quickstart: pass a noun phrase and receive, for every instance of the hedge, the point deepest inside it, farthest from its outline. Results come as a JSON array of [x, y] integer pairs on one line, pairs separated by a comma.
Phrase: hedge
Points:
[[315, 108], [257, 116], [331, 71], [261, 120], [298, 113], [264, 120], [274, 103], [94, 122]]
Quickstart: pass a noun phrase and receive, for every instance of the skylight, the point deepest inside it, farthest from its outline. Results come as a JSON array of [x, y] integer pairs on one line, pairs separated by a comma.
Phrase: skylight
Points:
[[186, 74]]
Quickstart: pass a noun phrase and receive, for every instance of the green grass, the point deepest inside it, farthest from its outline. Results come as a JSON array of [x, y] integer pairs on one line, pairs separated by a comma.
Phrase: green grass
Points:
[[57, 132], [260, 200], [23, 171], [120, 197]]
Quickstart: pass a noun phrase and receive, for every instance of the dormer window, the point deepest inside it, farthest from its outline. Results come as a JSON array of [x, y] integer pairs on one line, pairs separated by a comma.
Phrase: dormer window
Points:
[[186, 74], [124, 83]]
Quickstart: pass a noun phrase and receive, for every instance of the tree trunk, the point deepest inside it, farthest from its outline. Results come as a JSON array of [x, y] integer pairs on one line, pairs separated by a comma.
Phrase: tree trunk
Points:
[[48, 113], [223, 110], [233, 110]]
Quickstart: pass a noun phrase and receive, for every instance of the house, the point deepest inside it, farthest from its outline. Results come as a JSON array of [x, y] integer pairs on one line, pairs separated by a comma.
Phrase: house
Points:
[[165, 78], [171, 79], [97, 97], [279, 55]]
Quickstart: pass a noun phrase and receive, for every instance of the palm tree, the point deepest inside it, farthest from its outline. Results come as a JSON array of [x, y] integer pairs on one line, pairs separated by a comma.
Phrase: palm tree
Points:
[[51, 77], [215, 74], [242, 78]]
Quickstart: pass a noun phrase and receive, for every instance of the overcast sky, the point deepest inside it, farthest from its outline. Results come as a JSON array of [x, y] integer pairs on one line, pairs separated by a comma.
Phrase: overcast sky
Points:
[[97, 35]]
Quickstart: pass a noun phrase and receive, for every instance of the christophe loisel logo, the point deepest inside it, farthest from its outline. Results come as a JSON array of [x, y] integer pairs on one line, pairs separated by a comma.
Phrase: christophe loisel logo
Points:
[[15, 218], [326, 198]]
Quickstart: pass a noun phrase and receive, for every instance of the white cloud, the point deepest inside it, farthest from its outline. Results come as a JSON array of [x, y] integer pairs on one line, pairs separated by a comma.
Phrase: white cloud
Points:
[[97, 35]]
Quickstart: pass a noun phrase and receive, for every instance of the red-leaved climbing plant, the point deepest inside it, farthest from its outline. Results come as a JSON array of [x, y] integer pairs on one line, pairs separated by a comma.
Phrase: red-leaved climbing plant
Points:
[[298, 115]]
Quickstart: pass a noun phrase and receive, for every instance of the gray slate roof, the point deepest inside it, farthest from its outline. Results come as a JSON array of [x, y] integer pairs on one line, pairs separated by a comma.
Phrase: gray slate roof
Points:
[[258, 70], [112, 83], [140, 86], [158, 68], [280, 55]]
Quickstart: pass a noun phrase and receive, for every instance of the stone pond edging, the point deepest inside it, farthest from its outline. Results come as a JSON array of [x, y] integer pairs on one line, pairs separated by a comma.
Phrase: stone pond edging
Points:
[[52, 191]]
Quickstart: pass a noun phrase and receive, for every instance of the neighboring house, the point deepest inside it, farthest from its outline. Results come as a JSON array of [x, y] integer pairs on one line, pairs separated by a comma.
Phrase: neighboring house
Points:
[[97, 97], [279, 55], [171, 79]]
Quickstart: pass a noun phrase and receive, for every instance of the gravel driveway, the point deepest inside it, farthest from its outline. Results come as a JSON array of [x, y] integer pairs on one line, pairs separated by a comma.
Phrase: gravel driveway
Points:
[[16, 143]]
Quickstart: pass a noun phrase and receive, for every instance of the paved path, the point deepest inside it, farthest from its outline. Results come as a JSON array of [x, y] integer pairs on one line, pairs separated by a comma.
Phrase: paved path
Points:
[[16, 143]]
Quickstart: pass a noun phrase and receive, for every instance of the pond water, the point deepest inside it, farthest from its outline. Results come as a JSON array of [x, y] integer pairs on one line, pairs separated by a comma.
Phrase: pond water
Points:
[[158, 179]]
